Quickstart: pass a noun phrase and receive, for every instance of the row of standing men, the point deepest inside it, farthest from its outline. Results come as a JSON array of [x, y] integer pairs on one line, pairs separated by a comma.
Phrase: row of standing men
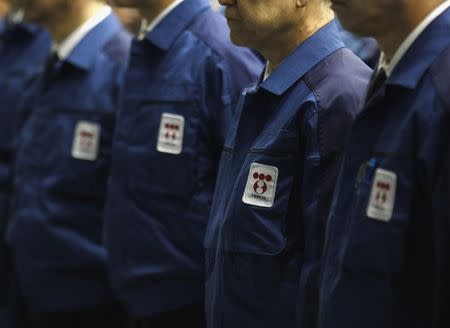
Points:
[[148, 181]]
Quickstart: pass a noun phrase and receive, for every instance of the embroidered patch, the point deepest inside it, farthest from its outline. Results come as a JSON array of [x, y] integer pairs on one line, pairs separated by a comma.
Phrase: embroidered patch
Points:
[[382, 196], [171, 132], [86, 141], [261, 185]]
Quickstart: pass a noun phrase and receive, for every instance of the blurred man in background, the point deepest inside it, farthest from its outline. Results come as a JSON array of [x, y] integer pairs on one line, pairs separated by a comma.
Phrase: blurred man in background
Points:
[[62, 164], [181, 86], [387, 256], [24, 49]]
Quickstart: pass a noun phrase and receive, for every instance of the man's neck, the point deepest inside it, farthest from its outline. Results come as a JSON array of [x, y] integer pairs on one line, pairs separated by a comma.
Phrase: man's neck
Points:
[[285, 43], [62, 26], [152, 9], [414, 12]]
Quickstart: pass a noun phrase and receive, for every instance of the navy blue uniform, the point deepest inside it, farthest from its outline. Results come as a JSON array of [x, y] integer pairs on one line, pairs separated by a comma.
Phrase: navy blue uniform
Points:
[[277, 173], [182, 83], [23, 51], [386, 260], [61, 168]]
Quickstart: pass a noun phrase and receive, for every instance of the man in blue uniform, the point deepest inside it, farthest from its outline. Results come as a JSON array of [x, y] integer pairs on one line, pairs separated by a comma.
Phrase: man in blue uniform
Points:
[[61, 167], [23, 51], [182, 83], [387, 253], [278, 167]]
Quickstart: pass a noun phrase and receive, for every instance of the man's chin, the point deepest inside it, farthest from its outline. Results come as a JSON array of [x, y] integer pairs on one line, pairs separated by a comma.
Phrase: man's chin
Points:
[[238, 39]]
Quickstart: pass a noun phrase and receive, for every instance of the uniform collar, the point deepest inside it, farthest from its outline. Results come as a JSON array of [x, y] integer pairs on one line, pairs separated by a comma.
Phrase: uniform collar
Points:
[[307, 55], [151, 26], [431, 43], [15, 16], [14, 24], [14, 21], [71, 41], [85, 52], [168, 30], [412, 37]]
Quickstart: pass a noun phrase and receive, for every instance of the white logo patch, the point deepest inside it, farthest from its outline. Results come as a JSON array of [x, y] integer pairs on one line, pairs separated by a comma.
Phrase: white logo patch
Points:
[[171, 132], [261, 185], [86, 141], [382, 196]]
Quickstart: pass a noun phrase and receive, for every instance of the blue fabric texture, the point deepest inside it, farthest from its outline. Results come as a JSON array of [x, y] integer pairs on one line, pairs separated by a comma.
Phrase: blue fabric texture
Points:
[[23, 50], [55, 228], [394, 272]]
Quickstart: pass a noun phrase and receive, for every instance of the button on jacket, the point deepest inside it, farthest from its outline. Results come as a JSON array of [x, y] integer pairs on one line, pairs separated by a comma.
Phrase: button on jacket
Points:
[[61, 168], [181, 86], [277, 172], [23, 50], [386, 260]]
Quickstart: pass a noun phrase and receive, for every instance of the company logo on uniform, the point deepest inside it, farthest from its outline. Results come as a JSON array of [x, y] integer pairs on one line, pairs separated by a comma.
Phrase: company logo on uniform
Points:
[[86, 140], [261, 185], [171, 131], [382, 196]]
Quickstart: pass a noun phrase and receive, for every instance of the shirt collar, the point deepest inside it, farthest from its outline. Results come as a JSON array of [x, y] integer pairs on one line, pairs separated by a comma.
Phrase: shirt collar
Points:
[[424, 49], [15, 20], [69, 44], [22, 27], [307, 55], [85, 50], [267, 71], [389, 67], [151, 26], [16, 16], [175, 22]]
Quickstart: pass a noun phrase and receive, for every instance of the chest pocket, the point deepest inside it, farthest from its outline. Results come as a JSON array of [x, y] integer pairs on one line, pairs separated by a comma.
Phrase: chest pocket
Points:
[[159, 128], [52, 142], [257, 215], [376, 242]]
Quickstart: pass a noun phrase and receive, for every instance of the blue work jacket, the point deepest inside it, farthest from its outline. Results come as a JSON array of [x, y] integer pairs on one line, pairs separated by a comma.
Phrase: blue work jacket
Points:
[[180, 89], [61, 167], [277, 173], [386, 259], [23, 50]]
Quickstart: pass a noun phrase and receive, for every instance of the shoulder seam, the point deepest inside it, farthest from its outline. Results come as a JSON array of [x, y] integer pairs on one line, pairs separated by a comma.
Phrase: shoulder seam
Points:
[[437, 71]]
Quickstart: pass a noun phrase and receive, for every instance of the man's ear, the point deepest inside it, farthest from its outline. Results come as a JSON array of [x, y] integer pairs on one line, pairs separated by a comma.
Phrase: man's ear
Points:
[[301, 3]]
